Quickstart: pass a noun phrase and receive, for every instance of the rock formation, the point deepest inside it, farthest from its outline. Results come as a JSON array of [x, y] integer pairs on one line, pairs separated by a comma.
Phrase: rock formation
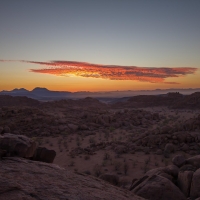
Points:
[[31, 180]]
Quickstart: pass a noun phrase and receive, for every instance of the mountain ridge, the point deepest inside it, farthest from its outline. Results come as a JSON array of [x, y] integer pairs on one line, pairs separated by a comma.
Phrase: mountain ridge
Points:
[[44, 94]]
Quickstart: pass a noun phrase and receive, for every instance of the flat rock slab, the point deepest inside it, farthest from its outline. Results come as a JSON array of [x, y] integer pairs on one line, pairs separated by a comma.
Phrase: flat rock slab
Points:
[[33, 180]]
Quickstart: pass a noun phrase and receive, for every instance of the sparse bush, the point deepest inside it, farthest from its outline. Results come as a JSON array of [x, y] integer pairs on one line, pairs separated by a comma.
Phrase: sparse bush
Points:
[[87, 172], [112, 129], [97, 170], [117, 155], [145, 168], [78, 143], [92, 140], [47, 141], [72, 155], [134, 163], [126, 167], [106, 156], [71, 164], [87, 157], [147, 160], [117, 165], [104, 163]]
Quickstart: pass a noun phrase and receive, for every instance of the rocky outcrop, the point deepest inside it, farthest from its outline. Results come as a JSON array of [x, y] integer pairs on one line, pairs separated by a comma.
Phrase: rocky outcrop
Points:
[[157, 187], [6, 129], [169, 148], [17, 145], [184, 182], [45, 155], [1, 129], [171, 182], [22, 146], [195, 185], [30, 180], [178, 160], [194, 161], [7, 100], [113, 179]]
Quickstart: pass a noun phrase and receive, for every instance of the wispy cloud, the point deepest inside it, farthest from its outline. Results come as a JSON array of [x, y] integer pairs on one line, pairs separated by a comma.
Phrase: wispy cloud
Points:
[[112, 72]]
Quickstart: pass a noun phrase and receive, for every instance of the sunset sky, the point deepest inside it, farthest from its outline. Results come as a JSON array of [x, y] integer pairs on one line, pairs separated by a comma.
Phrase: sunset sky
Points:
[[99, 45]]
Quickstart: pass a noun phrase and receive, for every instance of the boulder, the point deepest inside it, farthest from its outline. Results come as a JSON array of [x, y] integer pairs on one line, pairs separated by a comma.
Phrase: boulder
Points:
[[157, 187], [73, 127], [159, 152], [17, 145], [169, 148], [159, 171], [184, 182], [170, 172], [188, 167], [195, 161], [195, 185], [1, 129], [83, 127], [6, 129], [120, 149], [44, 155], [2, 153], [178, 160], [185, 147], [113, 179]]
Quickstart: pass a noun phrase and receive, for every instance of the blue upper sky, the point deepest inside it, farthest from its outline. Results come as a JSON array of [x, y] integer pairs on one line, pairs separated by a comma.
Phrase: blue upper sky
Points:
[[128, 32]]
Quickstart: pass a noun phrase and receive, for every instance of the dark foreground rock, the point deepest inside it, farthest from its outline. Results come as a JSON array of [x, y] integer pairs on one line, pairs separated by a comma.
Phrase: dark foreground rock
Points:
[[157, 187], [45, 155], [113, 179], [17, 145], [32, 180]]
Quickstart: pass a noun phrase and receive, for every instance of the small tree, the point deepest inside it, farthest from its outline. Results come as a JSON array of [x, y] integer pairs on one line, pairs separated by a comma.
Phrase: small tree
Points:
[[126, 167]]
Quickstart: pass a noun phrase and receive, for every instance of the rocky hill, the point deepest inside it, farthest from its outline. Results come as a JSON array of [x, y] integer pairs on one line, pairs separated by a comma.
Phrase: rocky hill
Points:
[[189, 101], [172, 100], [7, 100]]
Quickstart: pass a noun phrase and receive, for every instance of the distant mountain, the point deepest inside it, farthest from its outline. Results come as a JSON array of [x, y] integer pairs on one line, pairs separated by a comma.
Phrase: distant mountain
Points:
[[21, 90], [38, 93], [40, 90], [43, 94]]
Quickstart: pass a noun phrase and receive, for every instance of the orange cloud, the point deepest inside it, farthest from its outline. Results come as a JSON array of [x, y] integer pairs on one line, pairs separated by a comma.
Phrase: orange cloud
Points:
[[112, 72]]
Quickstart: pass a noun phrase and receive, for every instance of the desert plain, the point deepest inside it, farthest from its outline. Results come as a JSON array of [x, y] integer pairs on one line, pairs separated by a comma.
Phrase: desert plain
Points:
[[124, 139]]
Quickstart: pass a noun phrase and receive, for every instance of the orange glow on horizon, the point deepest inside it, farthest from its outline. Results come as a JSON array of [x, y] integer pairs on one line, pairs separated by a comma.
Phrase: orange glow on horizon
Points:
[[81, 76]]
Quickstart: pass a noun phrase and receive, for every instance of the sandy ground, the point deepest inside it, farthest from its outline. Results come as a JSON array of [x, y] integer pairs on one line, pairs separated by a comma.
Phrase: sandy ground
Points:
[[126, 166]]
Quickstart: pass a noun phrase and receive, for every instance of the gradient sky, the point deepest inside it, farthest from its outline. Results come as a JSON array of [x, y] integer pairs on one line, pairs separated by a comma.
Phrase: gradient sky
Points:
[[114, 44]]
